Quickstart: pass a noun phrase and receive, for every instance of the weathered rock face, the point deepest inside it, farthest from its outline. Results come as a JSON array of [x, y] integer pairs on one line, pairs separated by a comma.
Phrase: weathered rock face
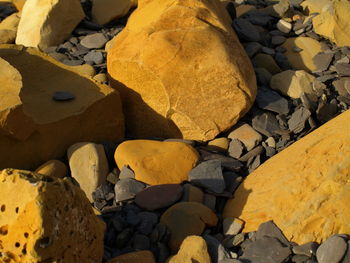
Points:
[[105, 11], [332, 21], [47, 23], [304, 189], [37, 226], [34, 127], [155, 162], [183, 70]]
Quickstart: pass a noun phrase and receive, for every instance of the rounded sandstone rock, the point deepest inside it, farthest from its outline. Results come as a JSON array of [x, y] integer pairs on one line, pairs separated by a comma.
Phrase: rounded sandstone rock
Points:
[[53, 168]]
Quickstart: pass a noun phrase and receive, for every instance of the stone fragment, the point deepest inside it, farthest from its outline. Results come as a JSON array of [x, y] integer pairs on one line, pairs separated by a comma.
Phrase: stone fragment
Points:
[[309, 249], [144, 256], [332, 250], [33, 135], [105, 11], [89, 166], [284, 26], [19, 4], [63, 96], [293, 83], [342, 86], [101, 77], [263, 77], [193, 249], [192, 194], [322, 61], [243, 9], [267, 99], [246, 134], [246, 31], [269, 229], [95, 57], [297, 121], [216, 251], [126, 172], [266, 123], [159, 196], [48, 23], [182, 70], [334, 27], [236, 148], [251, 48], [54, 168], [8, 29], [267, 62], [155, 162], [278, 40], [126, 189], [302, 60], [43, 218], [297, 192], [346, 258], [266, 249], [343, 69], [186, 219], [232, 226], [97, 40], [219, 144], [326, 110], [208, 175]]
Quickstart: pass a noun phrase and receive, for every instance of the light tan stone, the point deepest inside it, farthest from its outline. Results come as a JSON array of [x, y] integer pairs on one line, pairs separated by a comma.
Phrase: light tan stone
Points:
[[43, 219], [84, 69], [8, 29], [100, 77], [33, 127], [305, 189], [143, 256], [54, 168], [294, 83], [105, 11], [155, 162], [19, 4], [193, 249], [332, 21], [246, 134], [185, 219], [89, 166], [184, 72], [46, 23], [302, 60], [219, 144]]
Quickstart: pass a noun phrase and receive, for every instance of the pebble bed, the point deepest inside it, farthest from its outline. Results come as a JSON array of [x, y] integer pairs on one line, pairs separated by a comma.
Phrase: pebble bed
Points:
[[277, 121]]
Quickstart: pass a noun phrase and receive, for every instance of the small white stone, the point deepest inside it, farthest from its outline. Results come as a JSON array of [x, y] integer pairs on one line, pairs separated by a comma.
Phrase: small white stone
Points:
[[284, 26]]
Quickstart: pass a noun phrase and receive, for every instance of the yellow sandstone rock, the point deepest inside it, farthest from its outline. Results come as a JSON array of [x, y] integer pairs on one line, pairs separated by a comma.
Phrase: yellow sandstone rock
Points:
[[45, 219], [46, 23], [185, 219], [193, 249], [183, 70], [332, 21], [8, 29], [305, 189], [105, 11], [155, 162], [302, 59], [19, 4], [34, 128], [54, 168], [143, 256]]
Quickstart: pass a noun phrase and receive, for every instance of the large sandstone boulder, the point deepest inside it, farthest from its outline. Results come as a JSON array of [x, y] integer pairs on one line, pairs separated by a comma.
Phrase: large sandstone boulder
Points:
[[305, 189], [8, 29], [47, 23], [332, 21], [43, 219], [34, 128], [183, 70], [105, 11]]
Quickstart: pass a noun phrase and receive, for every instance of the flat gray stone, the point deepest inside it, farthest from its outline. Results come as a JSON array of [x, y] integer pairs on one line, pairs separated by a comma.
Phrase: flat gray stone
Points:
[[232, 181], [208, 175], [126, 172], [63, 96], [343, 69], [326, 110], [216, 251], [266, 250], [332, 250], [278, 40], [298, 119], [263, 76], [94, 56], [322, 61], [269, 229], [246, 31], [346, 258], [266, 123], [252, 48], [97, 40], [268, 99], [309, 249], [126, 189]]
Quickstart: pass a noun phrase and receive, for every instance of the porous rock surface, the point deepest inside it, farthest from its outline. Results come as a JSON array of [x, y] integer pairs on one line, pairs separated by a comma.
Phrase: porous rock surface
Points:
[[44, 219], [183, 70], [34, 128], [304, 189]]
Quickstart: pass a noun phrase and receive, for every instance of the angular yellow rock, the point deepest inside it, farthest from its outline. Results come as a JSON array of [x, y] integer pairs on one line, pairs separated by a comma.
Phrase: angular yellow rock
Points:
[[54, 168], [332, 21], [45, 219], [19, 4], [46, 23], [193, 249], [143, 256], [33, 127], [8, 29], [305, 189], [155, 162], [185, 219], [183, 70], [302, 59], [105, 11]]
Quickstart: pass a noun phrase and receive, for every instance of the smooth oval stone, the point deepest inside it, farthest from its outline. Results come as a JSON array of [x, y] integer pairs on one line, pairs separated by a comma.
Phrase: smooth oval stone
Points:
[[63, 96], [159, 196]]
